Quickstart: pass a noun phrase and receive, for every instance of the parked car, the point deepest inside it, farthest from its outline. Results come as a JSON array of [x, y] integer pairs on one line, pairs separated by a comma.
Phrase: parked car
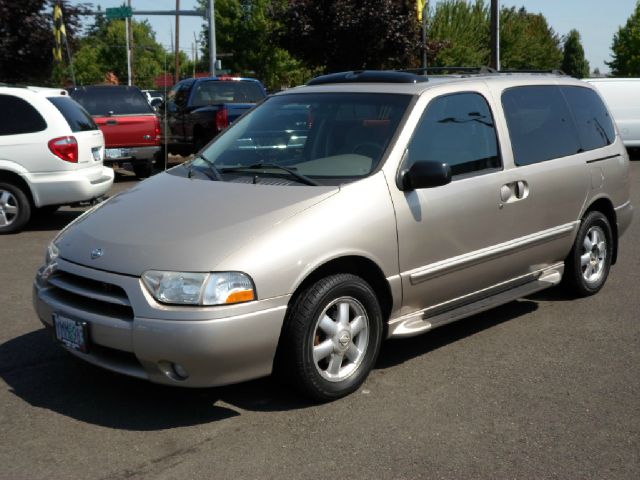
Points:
[[197, 109], [362, 206], [51, 154], [130, 125], [622, 96]]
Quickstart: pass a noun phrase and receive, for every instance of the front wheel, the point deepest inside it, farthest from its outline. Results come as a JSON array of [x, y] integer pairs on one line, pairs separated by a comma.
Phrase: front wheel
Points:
[[332, 337], [589, 262]]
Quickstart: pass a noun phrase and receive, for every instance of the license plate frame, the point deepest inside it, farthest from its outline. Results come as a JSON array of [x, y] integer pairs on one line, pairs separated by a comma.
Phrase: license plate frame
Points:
[[72, 333]]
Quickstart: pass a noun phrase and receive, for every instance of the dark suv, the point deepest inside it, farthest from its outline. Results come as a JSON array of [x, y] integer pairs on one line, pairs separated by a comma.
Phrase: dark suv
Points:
[[197, 109]]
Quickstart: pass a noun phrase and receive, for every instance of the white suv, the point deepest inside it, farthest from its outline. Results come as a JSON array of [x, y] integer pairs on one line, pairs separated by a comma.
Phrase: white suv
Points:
[[51, 154]]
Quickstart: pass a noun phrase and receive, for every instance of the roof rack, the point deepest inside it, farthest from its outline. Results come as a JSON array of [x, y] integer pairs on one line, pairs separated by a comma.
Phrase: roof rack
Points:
[[369, 76], [554, 71], [452, 70]]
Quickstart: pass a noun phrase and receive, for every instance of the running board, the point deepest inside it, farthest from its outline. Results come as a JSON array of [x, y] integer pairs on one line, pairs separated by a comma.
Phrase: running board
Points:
[[425, 320]]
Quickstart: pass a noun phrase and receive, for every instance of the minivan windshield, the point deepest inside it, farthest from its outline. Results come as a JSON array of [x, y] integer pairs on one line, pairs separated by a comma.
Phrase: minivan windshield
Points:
[[328, 137]]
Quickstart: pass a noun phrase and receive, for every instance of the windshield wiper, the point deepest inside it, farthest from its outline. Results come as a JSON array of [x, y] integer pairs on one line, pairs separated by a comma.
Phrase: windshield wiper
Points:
[[291, 171], [215, 173]]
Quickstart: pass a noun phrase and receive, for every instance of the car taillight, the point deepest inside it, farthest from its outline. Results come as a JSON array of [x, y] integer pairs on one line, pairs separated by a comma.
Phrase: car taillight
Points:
[[222, 119], [158, 132], [65, 148]]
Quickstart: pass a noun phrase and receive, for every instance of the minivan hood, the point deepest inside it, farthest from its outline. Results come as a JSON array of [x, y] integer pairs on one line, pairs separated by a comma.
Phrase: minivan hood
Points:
[[169, 222]]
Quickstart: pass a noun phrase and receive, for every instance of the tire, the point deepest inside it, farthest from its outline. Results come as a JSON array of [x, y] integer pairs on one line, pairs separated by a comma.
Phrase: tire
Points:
[[143, 169], [159, 160], [15, 209], [322, 322], [588, 264]]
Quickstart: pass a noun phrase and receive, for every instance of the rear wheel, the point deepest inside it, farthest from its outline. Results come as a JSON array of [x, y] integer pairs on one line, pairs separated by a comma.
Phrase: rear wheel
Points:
[[15, 209], [589, 262], [143, 169], [332, 337]]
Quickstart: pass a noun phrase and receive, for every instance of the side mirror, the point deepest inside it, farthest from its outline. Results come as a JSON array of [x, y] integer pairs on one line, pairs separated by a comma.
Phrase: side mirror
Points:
[[425, 174], [156, 103]]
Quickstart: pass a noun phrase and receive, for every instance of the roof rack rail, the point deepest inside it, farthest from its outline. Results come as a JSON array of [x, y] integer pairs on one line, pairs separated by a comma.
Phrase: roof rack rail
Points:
[[368, 76], [451, 70], [553, 71]]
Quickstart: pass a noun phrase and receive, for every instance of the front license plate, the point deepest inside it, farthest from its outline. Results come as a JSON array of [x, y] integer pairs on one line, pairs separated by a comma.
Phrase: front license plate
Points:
[[114, 153], [72, 333]]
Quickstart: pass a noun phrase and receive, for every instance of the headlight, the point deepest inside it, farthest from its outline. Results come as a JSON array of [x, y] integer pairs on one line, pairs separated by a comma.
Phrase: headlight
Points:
[[184, 288], [52, 253]]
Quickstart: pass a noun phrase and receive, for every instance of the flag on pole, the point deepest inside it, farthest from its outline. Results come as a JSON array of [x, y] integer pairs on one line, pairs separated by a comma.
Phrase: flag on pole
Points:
[[420, 9], [59, 32]]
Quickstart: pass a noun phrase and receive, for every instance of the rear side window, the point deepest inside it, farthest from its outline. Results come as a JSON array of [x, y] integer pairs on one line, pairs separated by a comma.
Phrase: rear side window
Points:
[[76, 116], [593, 122], [212, 92], [540, 124], [458, 130], [18, 116], [116, 101]]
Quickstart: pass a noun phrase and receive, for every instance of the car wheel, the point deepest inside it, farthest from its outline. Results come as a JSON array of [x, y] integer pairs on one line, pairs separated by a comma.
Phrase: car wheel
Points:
[[589, 262], [159, 160], [15, 209], [143, 169], [332, 337]]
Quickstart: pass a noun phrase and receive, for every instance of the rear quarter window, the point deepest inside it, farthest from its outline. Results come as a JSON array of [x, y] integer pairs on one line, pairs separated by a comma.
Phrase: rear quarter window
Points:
[[19, 116], [77, 117], [595, 127], [541, 126]]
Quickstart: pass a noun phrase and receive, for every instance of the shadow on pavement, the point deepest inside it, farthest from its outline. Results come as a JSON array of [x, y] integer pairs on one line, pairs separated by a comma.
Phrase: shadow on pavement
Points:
[[53, 221], [41, 373]]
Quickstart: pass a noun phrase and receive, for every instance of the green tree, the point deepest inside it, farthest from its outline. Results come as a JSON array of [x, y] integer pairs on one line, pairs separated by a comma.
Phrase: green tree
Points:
[[247, 33], [626, 48], [573, 61], [26, 38], [105, 51], [462, 30], [352, 34], [527, 42]]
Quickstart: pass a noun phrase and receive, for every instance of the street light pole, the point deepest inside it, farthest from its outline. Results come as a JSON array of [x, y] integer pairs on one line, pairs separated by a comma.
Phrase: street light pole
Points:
[[212, 39], [495, 34], [425, 14]]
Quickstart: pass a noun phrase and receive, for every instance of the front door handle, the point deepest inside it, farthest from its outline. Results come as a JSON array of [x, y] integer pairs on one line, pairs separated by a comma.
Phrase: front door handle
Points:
[[514, 191]]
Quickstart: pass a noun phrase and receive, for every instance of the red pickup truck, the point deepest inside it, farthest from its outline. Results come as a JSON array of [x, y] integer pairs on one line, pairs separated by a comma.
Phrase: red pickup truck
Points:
[[130, 125]]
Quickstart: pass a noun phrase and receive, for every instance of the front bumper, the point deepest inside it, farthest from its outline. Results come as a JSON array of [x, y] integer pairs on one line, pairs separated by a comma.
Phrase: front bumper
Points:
[[215, 345]]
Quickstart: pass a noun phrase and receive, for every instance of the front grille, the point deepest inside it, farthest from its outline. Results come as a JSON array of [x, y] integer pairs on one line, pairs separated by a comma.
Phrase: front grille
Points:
[[99, 298]]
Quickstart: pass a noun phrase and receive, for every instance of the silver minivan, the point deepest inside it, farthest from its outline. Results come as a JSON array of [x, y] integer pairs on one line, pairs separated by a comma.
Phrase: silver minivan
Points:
[[362, 206]]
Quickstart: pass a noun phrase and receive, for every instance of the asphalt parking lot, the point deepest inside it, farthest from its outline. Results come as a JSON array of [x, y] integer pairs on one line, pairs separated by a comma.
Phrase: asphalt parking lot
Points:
[[545, 387]]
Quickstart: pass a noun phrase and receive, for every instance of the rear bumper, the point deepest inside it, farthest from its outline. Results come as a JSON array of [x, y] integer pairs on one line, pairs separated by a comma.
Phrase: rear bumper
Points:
[[134, 154], [64, 188]]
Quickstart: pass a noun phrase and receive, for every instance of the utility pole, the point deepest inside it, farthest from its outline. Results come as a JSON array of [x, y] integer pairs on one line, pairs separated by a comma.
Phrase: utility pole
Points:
[[425, 15], [131, 48], [126, 34], [495, 34], [177, 77], [212, 40]]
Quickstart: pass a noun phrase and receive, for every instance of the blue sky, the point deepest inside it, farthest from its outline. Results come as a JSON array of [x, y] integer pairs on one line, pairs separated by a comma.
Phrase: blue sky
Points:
[[596, 20]]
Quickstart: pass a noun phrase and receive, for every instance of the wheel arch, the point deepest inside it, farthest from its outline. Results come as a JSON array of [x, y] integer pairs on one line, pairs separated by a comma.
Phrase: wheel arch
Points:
[[17, 180], [605, 206]]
